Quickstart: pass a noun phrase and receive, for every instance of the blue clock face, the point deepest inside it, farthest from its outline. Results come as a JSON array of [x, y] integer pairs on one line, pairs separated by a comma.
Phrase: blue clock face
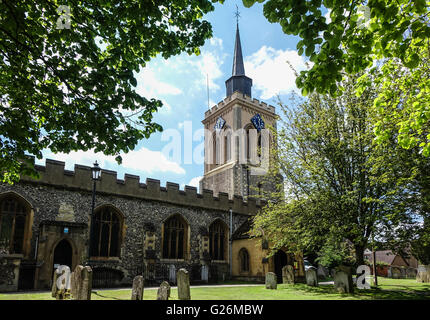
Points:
[[258, 122], [220, 122]]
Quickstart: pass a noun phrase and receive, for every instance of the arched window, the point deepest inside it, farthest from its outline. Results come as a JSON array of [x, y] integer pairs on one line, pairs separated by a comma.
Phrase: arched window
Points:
[[218, 240], [106, 233], [175, 238], [13, 220], [244, 260]]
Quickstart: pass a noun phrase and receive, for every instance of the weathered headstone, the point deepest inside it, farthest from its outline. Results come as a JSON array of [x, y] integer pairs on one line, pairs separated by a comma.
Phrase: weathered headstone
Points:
[[138, 287], [167, 286], [271, 280], [54, 284], [343, 280], [162, 293], [61, 283], [183, 279], [311, 277], [205, 273], [288, 274], [82, 283], [423, 273]]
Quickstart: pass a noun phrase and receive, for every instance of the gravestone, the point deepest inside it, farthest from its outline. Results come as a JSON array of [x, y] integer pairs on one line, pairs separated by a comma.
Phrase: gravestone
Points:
[[311, 277], [162, 293], [167, 286], [61, 283], [172, 273], [343, 280], [288, 274], [54, 284], [271, 280], [183, 279], [81, 283], [138, 287], [423, 273], [205, 273]]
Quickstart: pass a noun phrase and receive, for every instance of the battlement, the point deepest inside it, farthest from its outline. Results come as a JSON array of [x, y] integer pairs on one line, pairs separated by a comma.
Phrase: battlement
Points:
[[54, 173], [241, 96]]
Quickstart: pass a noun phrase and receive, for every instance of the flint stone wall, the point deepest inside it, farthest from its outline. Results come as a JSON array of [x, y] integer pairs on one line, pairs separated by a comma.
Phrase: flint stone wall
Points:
[[65, 197]]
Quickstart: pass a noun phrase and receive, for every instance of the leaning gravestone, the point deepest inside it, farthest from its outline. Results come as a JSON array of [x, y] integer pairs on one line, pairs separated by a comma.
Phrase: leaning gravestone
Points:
[[343, 281], [82, 283], [311, 277], [271, 280], [138, 287], [288, 274], [183, 279]]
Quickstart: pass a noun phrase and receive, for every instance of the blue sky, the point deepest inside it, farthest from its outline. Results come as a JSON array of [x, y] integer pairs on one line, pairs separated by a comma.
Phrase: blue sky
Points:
[[181, 83]]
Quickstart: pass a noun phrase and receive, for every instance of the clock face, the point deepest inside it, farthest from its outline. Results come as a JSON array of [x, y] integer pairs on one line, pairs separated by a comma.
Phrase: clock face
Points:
[[220, 122], [258, 122]]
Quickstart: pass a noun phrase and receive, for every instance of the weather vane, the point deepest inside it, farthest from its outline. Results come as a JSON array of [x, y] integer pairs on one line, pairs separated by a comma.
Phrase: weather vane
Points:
[[237, 14]]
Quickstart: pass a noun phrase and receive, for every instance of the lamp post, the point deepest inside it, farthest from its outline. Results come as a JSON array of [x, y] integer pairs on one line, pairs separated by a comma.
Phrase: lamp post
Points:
[[95, 175]]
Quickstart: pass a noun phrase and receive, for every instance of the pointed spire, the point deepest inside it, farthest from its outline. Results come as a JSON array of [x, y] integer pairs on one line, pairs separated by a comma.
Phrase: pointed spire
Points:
[[238, 81], [238, 67]]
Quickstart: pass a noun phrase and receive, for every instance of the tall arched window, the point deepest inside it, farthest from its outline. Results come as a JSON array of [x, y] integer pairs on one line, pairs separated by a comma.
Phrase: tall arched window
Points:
[[106, 233], [13, 220], [218, 240], [244, 260], [175, 238]]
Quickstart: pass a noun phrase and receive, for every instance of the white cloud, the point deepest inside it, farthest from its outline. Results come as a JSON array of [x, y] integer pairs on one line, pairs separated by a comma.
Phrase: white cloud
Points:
[[142, 160], [150, 86], [270, 71]]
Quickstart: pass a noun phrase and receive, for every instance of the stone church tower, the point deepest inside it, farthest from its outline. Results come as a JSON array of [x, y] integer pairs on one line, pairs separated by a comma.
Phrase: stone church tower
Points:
[[237, 139]]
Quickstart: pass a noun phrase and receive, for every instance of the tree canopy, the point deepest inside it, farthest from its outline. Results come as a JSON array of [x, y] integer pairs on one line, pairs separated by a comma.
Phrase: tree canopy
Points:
[[358, 35], [339, 185], [67, 82]]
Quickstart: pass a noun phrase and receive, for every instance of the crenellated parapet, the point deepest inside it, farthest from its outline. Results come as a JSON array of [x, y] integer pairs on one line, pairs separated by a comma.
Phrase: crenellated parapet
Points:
[[54, 174], [244, 98]]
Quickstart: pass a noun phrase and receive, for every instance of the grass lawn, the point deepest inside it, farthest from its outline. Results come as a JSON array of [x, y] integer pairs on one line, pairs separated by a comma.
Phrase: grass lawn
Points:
[[388, 289]]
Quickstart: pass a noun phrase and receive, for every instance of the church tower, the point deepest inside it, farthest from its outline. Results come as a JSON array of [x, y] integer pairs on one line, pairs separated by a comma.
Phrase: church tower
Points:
[[236, 130]]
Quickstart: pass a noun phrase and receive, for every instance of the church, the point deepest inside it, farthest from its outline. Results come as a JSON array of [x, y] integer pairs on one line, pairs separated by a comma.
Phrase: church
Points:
[[143, 228]]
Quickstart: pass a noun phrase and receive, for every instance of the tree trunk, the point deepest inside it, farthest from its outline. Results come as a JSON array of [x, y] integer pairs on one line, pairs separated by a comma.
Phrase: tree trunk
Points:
[[359, 255]]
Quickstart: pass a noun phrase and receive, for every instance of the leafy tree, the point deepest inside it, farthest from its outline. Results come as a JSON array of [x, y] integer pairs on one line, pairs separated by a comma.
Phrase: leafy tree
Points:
[[360, 33], [72, 87], [336, 186]]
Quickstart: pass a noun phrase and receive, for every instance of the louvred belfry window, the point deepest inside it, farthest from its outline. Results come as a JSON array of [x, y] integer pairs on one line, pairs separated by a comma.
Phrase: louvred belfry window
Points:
[[13, 216], [217, 240], [105, 241], [175, 238]]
